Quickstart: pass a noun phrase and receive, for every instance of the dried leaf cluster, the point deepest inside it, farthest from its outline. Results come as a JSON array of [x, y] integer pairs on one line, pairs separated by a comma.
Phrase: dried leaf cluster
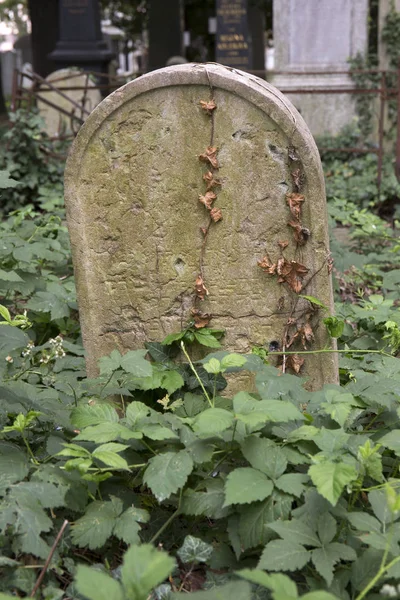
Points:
[[288, 271]]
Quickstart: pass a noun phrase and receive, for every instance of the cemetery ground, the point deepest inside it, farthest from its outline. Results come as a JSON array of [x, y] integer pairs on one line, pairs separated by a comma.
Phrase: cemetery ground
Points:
[[147, 481]]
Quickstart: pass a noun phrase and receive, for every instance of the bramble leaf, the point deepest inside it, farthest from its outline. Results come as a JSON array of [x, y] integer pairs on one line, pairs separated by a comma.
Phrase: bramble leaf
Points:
[[167, 473]]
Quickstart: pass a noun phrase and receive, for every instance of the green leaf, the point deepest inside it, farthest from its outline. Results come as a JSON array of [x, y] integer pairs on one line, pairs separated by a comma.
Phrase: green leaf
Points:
[[93, 414], [96, 585], [326, 528], [334, 326], [206, 339], [363, 521], [194, 550], [127, 526], [5, 313], [172, 381], [325, 559], [14, 465], [9, 276], [319, 595], [245, 485], [134, 362], [96, 525], [173, 337], [255, 518], [392, 441], [6, 181], [314, 301], [264, 455], [107, 432], [135, 412], [239, 590], [167, 473], [233, 360], [213, 366], [208, 504], [296, 530], [111, 459], [330, 478], [292, 483], [283, 555], [154, 431], [108, 364], [279, 584], [212, 421], [11, 338], [144, 567]]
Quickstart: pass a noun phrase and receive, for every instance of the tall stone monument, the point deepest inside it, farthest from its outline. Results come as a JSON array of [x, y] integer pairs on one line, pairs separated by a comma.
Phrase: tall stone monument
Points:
[[312, 36], [81, 43], [195, 194]]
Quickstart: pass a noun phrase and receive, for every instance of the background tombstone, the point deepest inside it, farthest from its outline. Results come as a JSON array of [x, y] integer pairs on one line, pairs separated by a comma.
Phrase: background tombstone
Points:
[[56, 121], [132, 186], [301, 46], [80, 40], [10, 60]]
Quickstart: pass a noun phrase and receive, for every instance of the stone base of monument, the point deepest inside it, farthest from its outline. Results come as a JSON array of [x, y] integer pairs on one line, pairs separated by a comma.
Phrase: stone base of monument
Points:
[[195, 193]]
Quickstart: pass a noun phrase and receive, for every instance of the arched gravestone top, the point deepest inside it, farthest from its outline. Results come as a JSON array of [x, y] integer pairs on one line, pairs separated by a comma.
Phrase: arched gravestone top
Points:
[[132, 185]]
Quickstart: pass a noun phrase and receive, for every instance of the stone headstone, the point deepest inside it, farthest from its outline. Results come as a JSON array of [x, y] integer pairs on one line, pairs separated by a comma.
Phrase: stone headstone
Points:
[[24, 44], [146, 248], [57, 121], [233, 46], [303, 47], [10, 60]]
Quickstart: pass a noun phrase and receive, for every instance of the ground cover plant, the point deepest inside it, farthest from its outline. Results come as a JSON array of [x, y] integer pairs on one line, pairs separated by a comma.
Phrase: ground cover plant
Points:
[[150, 482]]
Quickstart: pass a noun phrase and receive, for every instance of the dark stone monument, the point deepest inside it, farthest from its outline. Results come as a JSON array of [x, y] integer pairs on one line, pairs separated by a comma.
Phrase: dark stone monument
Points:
[[165, 32], [240, 35], [24, 43], [80, 41]]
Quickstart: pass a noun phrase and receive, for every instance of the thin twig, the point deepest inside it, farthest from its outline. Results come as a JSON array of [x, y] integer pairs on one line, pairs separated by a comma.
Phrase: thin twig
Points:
[[48, 560]]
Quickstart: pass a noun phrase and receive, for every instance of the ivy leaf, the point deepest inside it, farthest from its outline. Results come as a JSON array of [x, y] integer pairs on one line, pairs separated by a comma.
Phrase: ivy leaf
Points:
[[127, 526], [245, 485], [194, 550], [96, 585], [144, 567], [283, 555], [212, 421], [96, 525], [167, 473], [330, 478]]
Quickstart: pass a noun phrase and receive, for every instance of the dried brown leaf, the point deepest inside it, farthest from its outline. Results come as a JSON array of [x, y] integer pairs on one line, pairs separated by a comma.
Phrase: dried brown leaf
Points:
[[211, 181], [330, 263], [298, 179], [200, 319], [300, 234], [283, 244], [292, 153], [216, 214], [308, 333], [208, 199], [281, 303], [210, 157], [291, 272], [295, 201], [295, 362], [208, 106], [267, 266], [200, 288]]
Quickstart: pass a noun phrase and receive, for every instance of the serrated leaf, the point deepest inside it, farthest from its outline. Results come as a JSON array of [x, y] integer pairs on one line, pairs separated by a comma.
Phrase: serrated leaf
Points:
[[239, 590], [212, 421], [14, 465], [330, 478], [325, 558], [208, 503], [127, 526], [144, 567], [74, 450], [107, 432], [279, 584], [11, 338], [135, 412], [194, 550], [167, 473], [233, 360], [206, 339], [96, 585], [326, 528], [296, 530], [111, 459], [108, 364], [292, 483], [392, 441], [363, 521], [83, 416], [245, 485], [264, 455], [154, 431], [96, 525], [171, 381], [283, 555], [134, 362], [255, 518], [9, 276]]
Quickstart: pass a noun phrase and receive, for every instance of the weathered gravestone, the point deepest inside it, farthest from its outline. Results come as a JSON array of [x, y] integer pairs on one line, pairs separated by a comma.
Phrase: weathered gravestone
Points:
[[150, 175], [65, 104]]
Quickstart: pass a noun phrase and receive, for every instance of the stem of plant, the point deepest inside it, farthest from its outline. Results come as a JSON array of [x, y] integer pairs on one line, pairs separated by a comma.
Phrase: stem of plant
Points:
[[196, 375], [33, 457], [331, 351], [375, 579], [168, 521]]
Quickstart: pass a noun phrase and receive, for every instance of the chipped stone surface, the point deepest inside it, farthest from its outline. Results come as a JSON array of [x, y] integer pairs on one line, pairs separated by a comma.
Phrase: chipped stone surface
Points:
[[132, 184]]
